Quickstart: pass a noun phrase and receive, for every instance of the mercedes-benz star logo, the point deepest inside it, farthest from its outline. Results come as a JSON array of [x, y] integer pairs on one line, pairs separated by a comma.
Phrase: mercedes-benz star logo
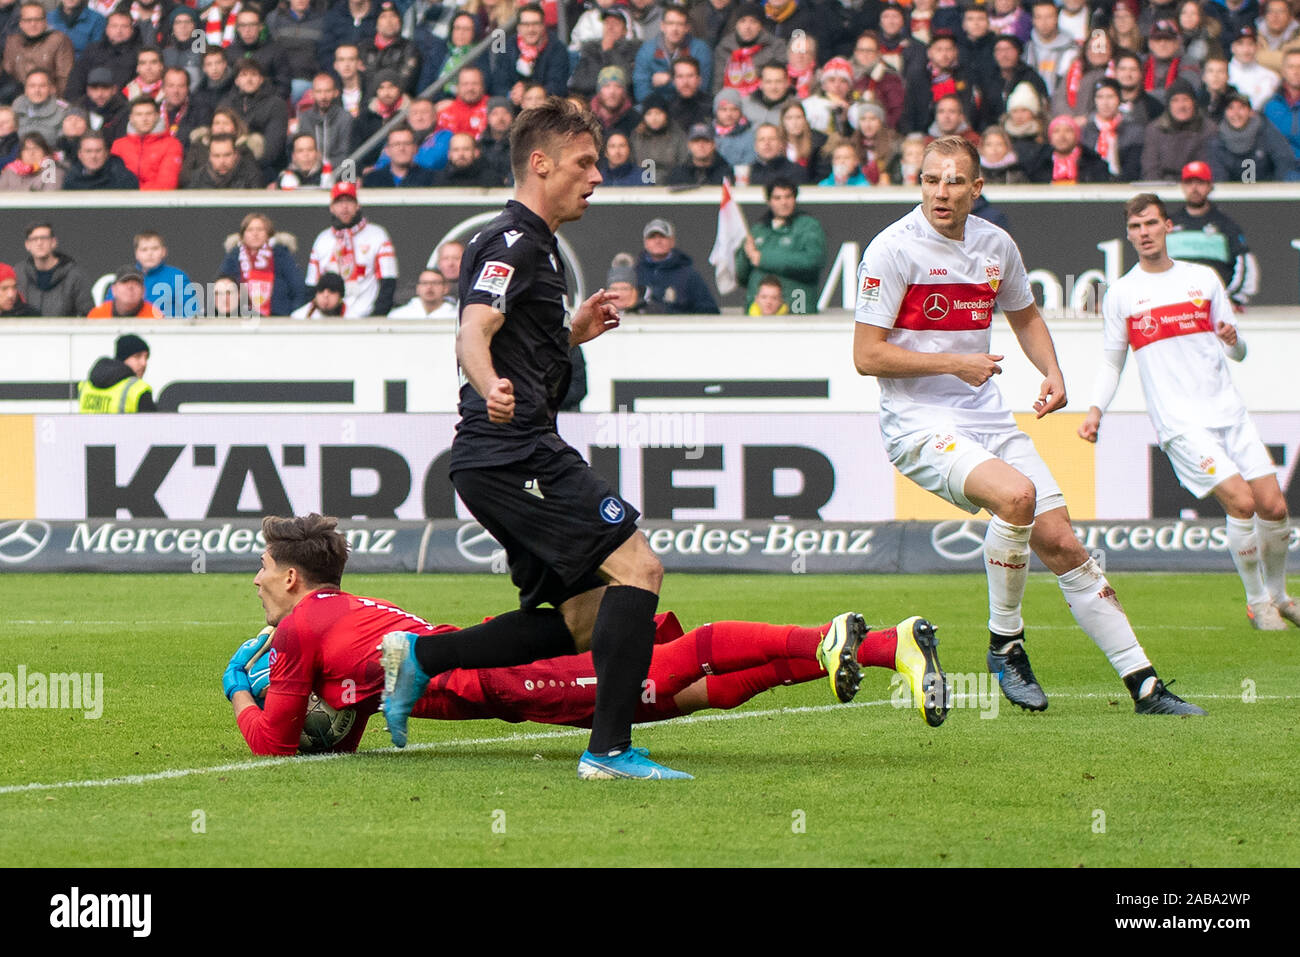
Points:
[[958, 541], [21, 540], [1147, 325], [936, 307], [475, 544]]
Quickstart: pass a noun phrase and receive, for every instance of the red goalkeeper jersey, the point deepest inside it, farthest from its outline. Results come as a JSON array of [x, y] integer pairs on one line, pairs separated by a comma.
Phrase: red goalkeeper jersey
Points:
[[328, 644]]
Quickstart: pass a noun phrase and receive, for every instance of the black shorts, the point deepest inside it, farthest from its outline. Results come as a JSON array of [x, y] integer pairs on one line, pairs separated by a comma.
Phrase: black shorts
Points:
[[557, 519]]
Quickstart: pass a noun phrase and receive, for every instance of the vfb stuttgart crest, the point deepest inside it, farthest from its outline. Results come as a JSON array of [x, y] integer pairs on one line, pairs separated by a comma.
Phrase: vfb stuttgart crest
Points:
[[993, 274]]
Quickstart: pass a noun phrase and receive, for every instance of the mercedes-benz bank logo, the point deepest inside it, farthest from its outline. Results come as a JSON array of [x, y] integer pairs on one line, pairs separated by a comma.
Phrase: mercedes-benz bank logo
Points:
[[958, 541], [21, 540], [475, 544], [935, 307]]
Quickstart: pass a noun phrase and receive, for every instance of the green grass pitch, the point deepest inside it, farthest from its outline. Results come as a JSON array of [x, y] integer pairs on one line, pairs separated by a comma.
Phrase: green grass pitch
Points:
[[163, 778]]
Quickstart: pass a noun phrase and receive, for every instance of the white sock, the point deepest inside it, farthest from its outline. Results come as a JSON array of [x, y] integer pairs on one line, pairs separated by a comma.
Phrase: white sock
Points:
[[1243, 546], [1006, 562], [1274, 537], [1093, 603]]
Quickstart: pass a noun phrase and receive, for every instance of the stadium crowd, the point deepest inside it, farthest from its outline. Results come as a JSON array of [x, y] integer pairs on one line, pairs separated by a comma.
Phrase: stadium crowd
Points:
[[98, 94]]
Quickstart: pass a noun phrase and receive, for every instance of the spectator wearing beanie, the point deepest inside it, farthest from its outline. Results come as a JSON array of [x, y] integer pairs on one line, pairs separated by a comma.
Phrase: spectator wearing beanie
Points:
[[117, 385], [612, 105], [1180, 136], [12, 303], [734, 134]]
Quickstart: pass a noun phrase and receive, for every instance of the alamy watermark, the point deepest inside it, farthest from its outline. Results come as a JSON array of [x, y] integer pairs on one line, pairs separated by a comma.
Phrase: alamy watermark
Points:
[[74, 691], [978, 690], [652, 430]]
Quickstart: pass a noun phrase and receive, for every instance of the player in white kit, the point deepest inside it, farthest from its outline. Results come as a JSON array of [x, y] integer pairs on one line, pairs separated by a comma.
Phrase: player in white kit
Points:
[[927, 288], [1179, 322]]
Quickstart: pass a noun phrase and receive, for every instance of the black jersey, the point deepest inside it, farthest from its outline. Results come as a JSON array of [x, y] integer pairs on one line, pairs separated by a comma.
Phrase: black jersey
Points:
[[1215, 240], [513, 265]]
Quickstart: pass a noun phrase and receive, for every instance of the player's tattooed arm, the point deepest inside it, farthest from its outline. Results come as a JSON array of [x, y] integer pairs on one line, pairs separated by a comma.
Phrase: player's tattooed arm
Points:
[[478, 324], [873, 355], [1036, 341]]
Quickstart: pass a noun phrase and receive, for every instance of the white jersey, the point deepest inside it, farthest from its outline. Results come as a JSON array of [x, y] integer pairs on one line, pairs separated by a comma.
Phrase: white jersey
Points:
[[1168, 319], [368, 258], [937, 295]]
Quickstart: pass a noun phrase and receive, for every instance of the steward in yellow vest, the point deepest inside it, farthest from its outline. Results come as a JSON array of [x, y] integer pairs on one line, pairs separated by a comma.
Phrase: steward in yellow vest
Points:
[[117, 385]]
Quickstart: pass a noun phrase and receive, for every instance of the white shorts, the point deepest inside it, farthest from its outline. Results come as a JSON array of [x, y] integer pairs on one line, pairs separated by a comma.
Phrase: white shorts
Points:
[[941, 460], [1205, 458]]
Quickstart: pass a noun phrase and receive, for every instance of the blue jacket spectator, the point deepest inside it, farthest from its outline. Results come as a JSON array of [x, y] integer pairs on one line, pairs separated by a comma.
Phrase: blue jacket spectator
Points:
[[82, 25], [1285, 115], [654, 57], [668, 281]]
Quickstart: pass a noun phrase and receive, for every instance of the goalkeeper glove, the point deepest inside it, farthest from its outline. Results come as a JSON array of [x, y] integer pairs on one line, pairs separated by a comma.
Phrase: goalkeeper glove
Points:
[[259, 678], [235, 678]]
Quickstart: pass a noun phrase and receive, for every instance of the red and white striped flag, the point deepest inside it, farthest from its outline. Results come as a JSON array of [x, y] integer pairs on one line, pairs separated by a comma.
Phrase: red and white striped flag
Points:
[[731, 236]]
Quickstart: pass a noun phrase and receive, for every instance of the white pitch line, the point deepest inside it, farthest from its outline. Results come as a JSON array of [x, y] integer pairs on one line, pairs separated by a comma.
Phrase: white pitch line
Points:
[[115, 621], [504, 739]]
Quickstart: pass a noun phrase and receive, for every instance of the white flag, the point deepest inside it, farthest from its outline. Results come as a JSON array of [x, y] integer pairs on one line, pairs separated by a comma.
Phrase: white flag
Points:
[[731, 236]]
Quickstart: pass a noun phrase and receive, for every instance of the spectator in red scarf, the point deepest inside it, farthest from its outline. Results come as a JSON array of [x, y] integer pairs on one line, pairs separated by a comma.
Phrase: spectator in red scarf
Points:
[[389, 50], [263, 264], [1164, 66], [939, 76], [1072, 163], [530, 55], [1112, 136], [874, 80], [743, 52], [148, 79]]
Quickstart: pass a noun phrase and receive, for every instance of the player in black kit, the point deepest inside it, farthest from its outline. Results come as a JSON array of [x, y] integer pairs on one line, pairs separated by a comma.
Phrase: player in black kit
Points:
[[571, 541]]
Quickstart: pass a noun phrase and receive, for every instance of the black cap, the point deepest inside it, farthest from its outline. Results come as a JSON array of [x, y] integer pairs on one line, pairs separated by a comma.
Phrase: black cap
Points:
[[1109, 83], [128, 345], [388, 76], [1180, 87], [125, 273], [332, 282], [100, 76], [754, 10]]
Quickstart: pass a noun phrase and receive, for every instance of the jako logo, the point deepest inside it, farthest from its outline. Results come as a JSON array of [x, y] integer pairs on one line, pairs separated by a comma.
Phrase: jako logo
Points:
[[994, 561], [938, 271], [103, 910]]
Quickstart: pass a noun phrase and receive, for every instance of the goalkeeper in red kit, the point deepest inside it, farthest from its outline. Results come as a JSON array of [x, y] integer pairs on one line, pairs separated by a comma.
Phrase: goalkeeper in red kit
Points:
[[326, 642]]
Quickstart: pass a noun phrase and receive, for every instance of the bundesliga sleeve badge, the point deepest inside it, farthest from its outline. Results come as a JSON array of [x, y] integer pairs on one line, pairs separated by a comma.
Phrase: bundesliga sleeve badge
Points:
[[869, 291], [494, 278]]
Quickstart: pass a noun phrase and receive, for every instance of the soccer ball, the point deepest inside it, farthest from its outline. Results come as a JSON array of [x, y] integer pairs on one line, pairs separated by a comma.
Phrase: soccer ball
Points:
[[324, 726]]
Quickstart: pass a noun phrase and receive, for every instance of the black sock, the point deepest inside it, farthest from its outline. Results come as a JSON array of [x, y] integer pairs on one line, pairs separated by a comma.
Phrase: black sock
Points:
[[515, 638], [1134, 681], [998, 642], [621, 645]]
